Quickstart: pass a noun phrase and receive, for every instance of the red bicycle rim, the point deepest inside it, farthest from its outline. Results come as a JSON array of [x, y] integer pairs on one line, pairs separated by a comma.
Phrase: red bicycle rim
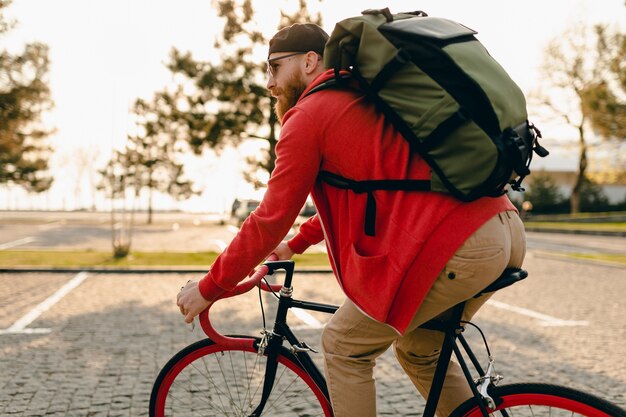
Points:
[[183, 362], [521, 400]]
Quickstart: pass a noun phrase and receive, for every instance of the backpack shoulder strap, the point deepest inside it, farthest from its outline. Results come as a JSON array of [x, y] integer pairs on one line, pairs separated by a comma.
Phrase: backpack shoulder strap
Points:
[[369, 186], [341, 82]]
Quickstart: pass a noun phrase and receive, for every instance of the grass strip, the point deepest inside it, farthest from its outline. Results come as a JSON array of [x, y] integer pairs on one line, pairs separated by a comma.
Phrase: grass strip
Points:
[[605, 215], [613, 227], [607, 258], [602, 257], [77, 259]]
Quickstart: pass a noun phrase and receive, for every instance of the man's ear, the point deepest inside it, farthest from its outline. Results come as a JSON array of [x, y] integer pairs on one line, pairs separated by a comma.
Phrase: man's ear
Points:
[[311, 62]]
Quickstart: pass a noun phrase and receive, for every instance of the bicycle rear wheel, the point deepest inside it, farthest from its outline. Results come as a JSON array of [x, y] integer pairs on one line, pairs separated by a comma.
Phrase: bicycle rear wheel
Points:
[[541, 400], [206, 379]]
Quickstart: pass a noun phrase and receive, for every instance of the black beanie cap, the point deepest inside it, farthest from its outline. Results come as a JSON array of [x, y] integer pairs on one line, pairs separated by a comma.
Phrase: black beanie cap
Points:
[[299, 37]]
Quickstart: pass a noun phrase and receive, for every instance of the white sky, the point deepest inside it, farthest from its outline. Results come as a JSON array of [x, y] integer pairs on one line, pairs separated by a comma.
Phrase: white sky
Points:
[[106, 53]]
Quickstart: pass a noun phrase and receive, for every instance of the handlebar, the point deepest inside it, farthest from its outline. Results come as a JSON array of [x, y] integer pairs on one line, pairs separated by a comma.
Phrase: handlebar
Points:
[[254, 278]]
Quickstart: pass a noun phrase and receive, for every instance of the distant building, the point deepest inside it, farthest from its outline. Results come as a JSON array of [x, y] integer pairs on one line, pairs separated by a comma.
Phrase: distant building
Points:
[[614, 189], [562, 167]]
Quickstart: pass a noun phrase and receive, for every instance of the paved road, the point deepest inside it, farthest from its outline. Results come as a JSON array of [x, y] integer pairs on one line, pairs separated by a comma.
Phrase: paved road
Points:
[[195, 232], [171, 232], [97, 349], [567, 243]]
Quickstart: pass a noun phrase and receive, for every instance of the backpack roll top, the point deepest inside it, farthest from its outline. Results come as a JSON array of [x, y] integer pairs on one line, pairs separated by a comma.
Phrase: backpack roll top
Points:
[[454, 104]]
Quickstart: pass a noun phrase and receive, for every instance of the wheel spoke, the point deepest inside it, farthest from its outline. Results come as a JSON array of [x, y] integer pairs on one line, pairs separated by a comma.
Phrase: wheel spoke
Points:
[[228, 383], [257, 366], [212, 382], [219, 364], [277, 379], [232, 368], [287, 387]]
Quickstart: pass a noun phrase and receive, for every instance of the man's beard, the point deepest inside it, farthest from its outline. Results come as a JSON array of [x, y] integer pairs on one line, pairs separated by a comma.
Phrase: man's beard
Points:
[[288, 96]]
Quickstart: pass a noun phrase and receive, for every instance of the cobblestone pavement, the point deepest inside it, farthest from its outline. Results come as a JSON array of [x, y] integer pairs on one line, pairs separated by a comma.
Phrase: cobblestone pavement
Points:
[[110, 336]]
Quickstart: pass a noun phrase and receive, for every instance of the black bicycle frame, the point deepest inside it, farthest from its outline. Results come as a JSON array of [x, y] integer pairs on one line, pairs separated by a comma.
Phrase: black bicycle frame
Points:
[[451, 327]]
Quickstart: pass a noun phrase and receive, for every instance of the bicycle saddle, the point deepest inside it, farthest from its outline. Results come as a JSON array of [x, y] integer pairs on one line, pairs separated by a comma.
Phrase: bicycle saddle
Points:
[[509, 277]]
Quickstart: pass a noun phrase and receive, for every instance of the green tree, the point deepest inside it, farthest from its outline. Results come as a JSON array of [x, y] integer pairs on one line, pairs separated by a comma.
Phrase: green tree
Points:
[[149, 160], [593, 197], [543, 193], [224, 103], [605, 101], [24, 96]]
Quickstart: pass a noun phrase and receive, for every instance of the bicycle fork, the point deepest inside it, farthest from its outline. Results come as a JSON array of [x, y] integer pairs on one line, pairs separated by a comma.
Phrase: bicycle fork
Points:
[[271, 344], [272, 341]]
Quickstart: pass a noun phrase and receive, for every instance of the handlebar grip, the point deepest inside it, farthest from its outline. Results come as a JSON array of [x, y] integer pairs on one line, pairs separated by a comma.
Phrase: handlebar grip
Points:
[[255, 277]]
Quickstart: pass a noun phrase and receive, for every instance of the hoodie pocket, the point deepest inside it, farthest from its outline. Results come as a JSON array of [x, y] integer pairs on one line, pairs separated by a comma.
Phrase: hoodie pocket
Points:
[[371, 280]]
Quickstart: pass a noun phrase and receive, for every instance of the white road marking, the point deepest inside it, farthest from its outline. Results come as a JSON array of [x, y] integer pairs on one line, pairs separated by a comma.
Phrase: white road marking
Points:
[[51, 225], [18, 242], [544, 318], [25, 331], [310, 321], [20, 325], [220, 244]]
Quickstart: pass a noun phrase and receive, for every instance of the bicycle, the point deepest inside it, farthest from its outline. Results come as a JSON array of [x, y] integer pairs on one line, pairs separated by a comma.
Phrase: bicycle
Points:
[[252, 376]]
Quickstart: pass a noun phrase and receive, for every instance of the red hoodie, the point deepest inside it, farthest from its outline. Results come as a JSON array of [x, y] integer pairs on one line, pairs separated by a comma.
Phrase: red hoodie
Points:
[[387, 275]]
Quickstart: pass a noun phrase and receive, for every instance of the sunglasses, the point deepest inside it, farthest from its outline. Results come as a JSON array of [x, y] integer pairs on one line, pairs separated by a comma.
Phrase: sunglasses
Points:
[[272, 68]]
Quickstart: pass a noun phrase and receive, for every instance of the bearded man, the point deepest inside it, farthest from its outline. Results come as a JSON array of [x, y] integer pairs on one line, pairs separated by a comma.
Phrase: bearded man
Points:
[[430, 251]]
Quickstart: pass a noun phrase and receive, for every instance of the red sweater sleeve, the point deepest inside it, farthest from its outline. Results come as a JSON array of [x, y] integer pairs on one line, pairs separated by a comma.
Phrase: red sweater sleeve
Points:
[[298, 158], [310, 233]]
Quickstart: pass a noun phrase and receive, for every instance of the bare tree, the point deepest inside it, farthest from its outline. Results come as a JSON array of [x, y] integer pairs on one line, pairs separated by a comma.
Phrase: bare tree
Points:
[[115, 182], [605, 100], [84, 160], [568, 70]]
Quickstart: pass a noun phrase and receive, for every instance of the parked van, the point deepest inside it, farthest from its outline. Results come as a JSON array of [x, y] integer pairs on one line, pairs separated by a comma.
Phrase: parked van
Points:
[[241, 209]]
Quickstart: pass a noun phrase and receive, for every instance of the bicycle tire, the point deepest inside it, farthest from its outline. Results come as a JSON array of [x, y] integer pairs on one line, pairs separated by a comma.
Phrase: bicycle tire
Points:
[[210, 380], [537, 400]]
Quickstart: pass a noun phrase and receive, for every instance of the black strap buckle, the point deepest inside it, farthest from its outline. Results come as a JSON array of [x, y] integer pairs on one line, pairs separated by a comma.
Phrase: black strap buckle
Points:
[[539, 150]]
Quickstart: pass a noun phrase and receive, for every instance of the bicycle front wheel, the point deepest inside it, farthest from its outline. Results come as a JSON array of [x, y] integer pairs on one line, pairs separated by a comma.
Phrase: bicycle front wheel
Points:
[[206, 379], [541, 400]]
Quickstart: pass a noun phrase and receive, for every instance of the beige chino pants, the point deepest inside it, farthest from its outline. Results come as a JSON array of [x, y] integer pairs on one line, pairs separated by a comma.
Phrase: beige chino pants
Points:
[[352, 341]]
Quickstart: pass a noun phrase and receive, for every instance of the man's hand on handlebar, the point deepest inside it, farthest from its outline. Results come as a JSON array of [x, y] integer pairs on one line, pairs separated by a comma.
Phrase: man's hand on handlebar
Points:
[[283, 251], [190, 301]]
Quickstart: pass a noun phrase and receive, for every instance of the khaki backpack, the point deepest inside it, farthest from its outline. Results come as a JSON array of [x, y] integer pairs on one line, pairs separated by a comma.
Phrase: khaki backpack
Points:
[[453, 103]]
